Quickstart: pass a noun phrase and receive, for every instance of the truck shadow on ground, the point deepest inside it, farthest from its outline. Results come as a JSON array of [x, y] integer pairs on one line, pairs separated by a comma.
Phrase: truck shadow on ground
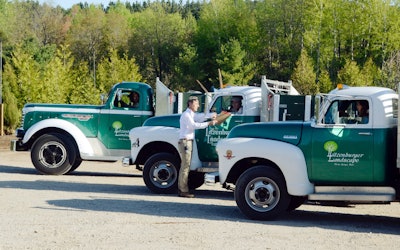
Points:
[[327, 220], [72, 186], [32, 171]]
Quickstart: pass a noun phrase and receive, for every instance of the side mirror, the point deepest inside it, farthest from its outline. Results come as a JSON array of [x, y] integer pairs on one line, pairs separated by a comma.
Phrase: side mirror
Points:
[[317, 107]]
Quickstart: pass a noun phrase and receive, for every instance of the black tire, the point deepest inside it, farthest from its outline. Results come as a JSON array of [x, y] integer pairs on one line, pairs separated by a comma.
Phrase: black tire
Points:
[[261, 193], [196, 180], [53, 154], [76, 164], [160, 173], [295, 202]]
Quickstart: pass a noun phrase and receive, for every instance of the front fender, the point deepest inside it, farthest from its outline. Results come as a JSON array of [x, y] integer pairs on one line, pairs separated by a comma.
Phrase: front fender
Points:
[[85, 148], [142, 136], [289, 159]]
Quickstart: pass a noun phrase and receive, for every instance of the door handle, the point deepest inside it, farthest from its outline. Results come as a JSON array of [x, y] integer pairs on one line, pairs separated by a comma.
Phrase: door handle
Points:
[[365, 133]]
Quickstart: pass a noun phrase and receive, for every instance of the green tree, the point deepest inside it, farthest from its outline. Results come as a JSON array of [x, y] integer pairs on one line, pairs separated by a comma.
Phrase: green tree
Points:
[[231, 61], [158, 38], [114, 69], [281, 25], [86, 37], [303, 76], [220, 21], [324, 82], [351, 74], [11, 113], [83, 91], [391, 71], [25, 71]]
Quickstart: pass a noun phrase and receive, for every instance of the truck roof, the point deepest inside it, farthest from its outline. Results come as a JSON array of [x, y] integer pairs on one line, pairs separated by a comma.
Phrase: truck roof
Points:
[[362, 91], [238, 89]]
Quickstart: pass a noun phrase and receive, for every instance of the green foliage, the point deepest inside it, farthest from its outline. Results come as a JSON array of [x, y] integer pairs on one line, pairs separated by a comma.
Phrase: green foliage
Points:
[[351, 74], [56, 55], [83, 90], [233, 67], [158, 38], [303, 76], [115, 69], [11, 111]]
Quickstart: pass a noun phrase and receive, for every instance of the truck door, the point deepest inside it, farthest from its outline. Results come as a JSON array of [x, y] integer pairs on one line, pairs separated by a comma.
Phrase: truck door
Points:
[[207, 139], [342, 145], [125, 113]]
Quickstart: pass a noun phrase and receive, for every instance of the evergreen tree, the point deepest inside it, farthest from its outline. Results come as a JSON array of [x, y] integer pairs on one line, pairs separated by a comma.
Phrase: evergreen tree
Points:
[[231, 61], [114, 69], [303, 76]]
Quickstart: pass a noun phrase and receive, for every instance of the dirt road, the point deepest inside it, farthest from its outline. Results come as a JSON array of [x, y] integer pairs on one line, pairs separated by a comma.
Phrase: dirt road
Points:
[[106, 206]]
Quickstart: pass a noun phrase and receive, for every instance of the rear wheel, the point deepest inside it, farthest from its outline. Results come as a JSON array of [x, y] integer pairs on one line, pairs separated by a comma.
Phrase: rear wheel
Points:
[[53, 154], [160, 173], [261, 193]]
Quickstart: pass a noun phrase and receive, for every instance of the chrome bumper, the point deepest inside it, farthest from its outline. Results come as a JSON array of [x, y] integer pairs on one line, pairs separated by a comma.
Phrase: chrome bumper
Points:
[[16, 145]]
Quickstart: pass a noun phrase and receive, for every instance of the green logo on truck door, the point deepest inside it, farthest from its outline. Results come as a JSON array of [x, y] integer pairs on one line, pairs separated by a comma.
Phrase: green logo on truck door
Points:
[[338, 158], [117, 125]]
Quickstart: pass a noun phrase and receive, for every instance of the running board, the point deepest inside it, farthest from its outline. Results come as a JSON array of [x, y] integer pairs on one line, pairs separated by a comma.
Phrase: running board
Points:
[[355, 193]]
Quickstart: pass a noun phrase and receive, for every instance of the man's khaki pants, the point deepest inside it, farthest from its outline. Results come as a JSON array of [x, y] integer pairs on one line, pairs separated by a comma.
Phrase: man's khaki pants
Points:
[[185, 149]]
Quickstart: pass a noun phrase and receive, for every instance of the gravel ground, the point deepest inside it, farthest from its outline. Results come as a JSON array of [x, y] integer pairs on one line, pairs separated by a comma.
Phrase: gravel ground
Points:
[[106, 206]]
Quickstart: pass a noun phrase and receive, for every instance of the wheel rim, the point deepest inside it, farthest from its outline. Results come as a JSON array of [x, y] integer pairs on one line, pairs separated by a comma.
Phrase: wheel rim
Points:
[[262, 194], [52, 154], [163, 174]]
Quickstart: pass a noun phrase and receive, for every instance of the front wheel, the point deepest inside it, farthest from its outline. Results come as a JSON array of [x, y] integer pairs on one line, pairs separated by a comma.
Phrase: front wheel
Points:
[[160, 173], [53, 154], [261, 193]]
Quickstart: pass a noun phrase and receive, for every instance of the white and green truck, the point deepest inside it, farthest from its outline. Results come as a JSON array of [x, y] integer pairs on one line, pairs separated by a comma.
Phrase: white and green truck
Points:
[[338, 156], [61, 136], [154, 146]]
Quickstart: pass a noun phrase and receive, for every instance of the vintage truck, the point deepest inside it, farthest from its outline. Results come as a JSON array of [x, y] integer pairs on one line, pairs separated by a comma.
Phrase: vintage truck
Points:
[[341, 155], [60, 136], [155, 144]]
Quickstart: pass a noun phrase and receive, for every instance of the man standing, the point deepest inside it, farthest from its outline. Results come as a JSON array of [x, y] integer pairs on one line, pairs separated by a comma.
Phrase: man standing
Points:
[[189, 121]]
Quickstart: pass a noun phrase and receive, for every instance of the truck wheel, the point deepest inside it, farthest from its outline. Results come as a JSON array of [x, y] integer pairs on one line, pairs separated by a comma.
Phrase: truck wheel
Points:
[[261, 193], [160, 173], [196, 180], [75, 165], [295, 202], [53, 154]]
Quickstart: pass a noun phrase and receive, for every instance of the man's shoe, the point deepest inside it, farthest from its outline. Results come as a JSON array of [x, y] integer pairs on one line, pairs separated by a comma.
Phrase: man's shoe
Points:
[[186, 195]]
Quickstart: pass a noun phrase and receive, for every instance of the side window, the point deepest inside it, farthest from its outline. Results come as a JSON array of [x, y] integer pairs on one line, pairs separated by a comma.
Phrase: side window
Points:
[[348, 112], [127, 99], [231, 104]]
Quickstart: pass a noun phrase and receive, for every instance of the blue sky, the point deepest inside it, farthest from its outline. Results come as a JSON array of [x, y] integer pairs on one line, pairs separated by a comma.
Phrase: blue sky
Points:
[[66, 4]]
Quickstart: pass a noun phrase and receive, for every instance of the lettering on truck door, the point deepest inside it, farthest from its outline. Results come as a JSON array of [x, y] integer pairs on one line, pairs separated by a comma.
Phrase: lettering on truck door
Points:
[[124, 114], [342, 150]]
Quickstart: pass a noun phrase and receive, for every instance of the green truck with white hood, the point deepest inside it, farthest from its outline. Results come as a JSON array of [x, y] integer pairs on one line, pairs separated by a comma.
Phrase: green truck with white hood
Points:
[[335, 157], [155, 144], [61, 136]]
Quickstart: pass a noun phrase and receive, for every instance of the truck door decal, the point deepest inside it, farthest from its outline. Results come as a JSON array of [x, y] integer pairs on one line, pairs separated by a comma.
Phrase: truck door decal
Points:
[[340, 159]]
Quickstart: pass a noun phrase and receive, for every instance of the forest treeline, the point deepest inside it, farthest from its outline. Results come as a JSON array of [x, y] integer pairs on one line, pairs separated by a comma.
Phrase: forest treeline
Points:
[[56, 55]]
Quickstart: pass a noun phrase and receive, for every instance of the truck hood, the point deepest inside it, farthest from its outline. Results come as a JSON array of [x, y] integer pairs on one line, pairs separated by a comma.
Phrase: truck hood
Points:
[[165, 120], [289, 132]]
